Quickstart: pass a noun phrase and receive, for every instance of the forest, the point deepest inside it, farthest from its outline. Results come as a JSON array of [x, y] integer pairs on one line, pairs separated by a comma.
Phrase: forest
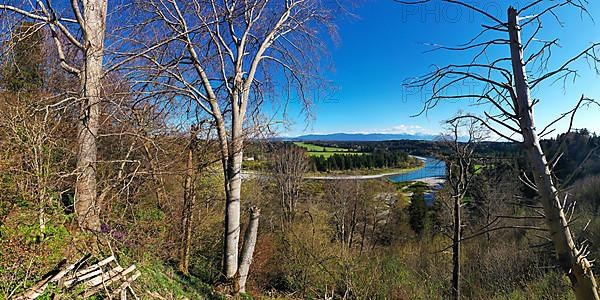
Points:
[[143, 156], [371, 160]]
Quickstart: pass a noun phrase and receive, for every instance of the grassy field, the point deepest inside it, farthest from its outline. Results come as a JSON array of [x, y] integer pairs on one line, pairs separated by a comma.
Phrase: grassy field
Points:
[[314, 150]]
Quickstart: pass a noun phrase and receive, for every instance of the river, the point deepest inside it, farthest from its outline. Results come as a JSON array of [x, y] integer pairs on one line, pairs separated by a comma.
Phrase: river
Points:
[[434, 168], [432, 173]]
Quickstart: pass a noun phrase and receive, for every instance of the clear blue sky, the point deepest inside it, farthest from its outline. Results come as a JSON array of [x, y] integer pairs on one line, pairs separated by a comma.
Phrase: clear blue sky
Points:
[[385, 44]]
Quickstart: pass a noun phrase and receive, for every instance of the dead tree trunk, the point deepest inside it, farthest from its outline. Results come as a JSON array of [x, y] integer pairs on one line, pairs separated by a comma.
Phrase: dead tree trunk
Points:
[[248, 248], [189, 199], [572, 260], [459, 179], [353, 221], [456, 250], [364, 232], [94, 26]]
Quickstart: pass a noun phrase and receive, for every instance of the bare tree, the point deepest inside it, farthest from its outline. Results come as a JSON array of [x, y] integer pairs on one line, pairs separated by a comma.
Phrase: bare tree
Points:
[[148, 123], [356, 205], [189, 199], [26, 134], [89, 18], [341, 195], [198, 159], [460, 173], [224, 56], [289, 166], [507, 88]]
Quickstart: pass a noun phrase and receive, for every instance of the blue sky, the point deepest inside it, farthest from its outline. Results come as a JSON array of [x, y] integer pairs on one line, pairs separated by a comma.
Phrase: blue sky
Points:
[[385, 44]]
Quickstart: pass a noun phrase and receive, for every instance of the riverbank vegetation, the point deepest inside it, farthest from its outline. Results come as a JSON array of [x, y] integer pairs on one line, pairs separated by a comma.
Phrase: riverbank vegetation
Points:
[[125, 131], [362, 239]]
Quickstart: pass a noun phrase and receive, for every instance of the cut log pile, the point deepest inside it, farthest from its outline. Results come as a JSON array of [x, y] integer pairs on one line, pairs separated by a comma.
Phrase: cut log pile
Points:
[[104, 277]]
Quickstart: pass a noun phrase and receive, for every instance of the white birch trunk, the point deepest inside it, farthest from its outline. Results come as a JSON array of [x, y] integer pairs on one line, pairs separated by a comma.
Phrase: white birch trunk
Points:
[[248, 250], [232, 216], [233, 176]]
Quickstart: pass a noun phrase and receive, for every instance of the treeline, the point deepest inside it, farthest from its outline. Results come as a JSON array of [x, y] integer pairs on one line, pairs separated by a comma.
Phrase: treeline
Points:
[[579, 153], [375, 160], [425, 148]]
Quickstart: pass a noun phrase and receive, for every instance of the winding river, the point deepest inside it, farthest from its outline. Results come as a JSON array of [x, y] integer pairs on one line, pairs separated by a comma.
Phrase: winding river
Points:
[[434, 168]]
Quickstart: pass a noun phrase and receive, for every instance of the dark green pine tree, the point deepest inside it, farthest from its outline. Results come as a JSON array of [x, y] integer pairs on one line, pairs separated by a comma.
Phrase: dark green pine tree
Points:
[[418, 213]]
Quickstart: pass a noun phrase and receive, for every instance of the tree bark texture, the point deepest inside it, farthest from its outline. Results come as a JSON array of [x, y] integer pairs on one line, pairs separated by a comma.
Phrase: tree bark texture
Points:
[[248, 248], [456, 250], [572, 261], [86, 208], [189, 200], [233, 187]]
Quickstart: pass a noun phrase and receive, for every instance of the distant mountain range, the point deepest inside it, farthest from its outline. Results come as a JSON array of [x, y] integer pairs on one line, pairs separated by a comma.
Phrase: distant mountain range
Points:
[[362, 137]]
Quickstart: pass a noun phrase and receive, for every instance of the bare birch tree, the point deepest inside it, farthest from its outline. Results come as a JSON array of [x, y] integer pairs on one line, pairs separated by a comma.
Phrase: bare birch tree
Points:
[[225, 57], [507, 87], [84, 28]]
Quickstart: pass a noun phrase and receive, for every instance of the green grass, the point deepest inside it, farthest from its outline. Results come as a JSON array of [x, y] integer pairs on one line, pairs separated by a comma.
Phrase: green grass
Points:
[[315, 150], [165, 281], [478, 168], [552, 285], [255, 165]]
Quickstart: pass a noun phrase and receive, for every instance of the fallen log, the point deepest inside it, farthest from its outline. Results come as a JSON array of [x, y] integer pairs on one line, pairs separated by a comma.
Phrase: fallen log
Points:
[[105, 276]]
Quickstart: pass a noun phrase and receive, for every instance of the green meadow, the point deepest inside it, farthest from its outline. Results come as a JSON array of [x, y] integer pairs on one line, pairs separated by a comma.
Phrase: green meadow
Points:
[[316, 150]]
